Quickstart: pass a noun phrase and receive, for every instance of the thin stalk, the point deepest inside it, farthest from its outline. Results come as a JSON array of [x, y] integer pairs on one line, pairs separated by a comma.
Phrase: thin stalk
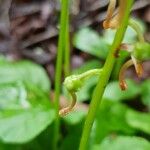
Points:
[[104, 77], [137, 29], [67, 48], [58, 74]]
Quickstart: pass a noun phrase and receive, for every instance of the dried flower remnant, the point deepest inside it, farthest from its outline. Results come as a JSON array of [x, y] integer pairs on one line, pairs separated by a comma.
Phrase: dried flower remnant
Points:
[[130, 48], [138, 66], [113, 21], [122, 81], [129, 63], [68, 109]]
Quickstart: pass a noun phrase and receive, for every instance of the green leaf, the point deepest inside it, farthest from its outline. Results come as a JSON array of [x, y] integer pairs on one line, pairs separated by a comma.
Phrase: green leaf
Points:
[[110, 119], [72, 139], [146, 93], [91, 64], [86, 91], [123, 143], [87, 40], [25, 71], [74, 117], [41, 142], [130, 35], [138, 120], [8, 147], [113, 91], [24, 114], [25, 109], [22, 126], [13, 96]]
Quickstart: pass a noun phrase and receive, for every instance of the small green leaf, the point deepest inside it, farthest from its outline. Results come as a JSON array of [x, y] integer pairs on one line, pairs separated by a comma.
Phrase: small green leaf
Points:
[[123, 143], [113, 91], [138, 120], [90, 42]]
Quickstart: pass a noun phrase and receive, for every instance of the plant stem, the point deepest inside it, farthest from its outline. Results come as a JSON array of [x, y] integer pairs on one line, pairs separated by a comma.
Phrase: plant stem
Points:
[[104, 77], [67, 48], [137, 29], [58, 74], [88, 74]]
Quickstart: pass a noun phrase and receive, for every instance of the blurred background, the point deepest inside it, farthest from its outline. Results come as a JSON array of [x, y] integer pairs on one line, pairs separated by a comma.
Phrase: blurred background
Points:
[[29, 32]]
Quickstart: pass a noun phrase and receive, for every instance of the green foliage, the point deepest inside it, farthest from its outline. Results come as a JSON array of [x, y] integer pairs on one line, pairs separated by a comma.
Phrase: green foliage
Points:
[[74, 117], [25, 71], [91, 64], [25, 109], [123, 143], [142, 51], [39, 143], [138, 120], [146, 93], [85, 93], [72, 139], [130, 35], [110, 119], [20, 126], [90, 42], [26, 113], [113, 91]]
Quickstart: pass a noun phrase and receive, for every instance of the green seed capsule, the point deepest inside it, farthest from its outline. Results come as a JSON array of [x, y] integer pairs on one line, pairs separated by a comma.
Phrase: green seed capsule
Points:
[[142, 51], [72, 83]]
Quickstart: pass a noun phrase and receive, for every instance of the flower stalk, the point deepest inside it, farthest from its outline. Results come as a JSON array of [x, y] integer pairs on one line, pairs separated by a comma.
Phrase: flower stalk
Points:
[[105, 75], [58, 74]]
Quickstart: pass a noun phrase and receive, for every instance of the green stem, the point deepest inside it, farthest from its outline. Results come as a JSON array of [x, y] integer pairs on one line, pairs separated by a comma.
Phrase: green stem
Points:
[[137, 29], [58, 74], [67, 48], [104, 77], [89, 74]]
